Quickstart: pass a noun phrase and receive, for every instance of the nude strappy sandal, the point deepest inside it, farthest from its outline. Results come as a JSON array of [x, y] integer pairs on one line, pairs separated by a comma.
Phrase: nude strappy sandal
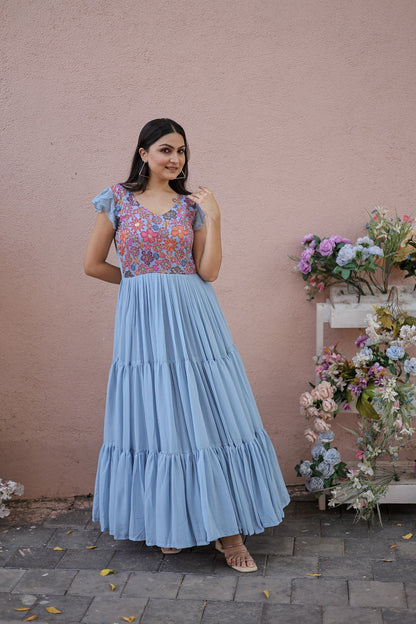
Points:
[[171, 551], [239, 550]]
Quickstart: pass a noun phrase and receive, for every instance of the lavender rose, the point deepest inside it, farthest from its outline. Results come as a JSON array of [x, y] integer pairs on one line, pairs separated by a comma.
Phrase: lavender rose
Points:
[[339, 239], [326, 247], [308, 238]]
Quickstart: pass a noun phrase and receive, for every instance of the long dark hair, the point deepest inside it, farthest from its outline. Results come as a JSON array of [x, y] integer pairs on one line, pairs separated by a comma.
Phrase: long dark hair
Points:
[[149, 134]]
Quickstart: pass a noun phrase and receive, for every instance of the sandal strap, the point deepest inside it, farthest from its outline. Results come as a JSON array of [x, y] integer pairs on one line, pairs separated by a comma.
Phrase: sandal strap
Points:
[[237, 551], [233, 545]]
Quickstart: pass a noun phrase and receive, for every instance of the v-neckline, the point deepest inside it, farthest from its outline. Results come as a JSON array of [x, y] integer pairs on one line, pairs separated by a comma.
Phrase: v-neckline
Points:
[[154, 214]]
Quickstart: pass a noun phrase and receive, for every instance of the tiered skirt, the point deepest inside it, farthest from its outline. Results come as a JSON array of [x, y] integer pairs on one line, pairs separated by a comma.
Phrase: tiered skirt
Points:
[[185, 458]]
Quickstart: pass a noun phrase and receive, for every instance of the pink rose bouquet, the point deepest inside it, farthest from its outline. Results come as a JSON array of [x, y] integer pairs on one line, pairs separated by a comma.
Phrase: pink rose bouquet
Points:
[[326, 467]]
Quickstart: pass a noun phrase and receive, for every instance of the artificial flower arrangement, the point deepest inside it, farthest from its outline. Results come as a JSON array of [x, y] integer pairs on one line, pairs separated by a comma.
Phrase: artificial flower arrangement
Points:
[[366, 265], [378, 382], [7, 489], [326, 466]]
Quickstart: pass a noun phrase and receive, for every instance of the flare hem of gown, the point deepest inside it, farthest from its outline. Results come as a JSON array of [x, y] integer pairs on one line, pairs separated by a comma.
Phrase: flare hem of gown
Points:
[[178, 486]]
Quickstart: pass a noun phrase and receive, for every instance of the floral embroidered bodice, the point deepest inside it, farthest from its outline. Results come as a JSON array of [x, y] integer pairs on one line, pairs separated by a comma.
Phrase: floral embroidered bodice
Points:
[[150, 243]]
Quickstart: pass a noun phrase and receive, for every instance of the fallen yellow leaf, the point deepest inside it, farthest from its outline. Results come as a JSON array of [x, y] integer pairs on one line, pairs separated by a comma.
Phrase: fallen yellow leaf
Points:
[[52, 610], [128, 619], [30, 618], [91, 547], [112, 587], [313, 574], [388, 560], [393, 546], [22, 608], [107, 571], [399, 524], [266, 593], [58, 548], [407, 536], [68, 532]]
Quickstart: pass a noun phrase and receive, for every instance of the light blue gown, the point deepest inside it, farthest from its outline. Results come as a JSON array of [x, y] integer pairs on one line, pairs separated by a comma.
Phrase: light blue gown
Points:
[[185, 458]]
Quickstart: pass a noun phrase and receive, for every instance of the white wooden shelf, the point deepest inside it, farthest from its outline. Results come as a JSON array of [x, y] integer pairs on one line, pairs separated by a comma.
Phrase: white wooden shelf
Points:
[[343, 311], [402, 492]]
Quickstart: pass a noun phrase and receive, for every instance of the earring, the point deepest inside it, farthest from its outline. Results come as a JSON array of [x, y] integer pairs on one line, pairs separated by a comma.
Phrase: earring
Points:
[[141, 169], [180, 176]]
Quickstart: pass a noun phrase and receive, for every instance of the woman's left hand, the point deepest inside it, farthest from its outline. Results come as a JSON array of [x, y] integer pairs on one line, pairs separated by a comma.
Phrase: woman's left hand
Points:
[[206, 200]]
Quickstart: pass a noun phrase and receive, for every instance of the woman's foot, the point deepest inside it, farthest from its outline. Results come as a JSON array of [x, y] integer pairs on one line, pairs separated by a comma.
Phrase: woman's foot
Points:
[[236, 553], [171, 551]]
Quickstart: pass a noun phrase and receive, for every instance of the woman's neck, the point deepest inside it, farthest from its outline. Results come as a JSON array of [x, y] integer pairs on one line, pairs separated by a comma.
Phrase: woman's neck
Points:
[[158, 187]]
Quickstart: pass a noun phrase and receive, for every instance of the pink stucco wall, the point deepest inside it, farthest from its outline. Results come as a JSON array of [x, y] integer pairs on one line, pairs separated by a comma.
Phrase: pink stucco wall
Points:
[[300, 116]]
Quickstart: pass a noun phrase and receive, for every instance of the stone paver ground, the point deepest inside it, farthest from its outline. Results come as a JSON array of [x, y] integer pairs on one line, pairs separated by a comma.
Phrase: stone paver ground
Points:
[[315, 568]]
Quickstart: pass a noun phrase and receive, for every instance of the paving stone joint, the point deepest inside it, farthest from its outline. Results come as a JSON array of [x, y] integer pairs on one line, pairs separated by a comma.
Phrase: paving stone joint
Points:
[[315, 568]]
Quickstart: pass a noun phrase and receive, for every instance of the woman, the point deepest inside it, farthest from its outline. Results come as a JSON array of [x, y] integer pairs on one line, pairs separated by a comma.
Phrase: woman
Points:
[[185, 458]]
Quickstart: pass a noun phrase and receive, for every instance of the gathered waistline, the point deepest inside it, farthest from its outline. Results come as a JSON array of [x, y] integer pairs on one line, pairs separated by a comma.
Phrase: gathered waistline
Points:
[[123, 278]]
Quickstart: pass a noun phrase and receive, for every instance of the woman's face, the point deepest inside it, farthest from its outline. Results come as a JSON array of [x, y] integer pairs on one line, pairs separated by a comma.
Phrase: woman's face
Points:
[[166, 157]]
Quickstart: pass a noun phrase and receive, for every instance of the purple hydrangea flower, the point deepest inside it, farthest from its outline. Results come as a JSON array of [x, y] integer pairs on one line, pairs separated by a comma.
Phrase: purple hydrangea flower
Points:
[[304, 267], [304, 264], [340, 239], [326, 247], [307, 239], [307, 253]]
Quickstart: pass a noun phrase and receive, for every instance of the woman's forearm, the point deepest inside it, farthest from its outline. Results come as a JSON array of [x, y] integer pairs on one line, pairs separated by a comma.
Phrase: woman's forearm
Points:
[[210, 262], [103, 271]]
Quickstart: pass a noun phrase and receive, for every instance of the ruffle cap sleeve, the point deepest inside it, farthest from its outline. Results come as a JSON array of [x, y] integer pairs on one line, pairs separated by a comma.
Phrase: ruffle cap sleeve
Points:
[[199, 218], [104, 201]]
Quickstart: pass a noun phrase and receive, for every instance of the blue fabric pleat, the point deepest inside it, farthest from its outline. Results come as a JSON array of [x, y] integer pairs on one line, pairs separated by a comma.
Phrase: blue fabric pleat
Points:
[[185, 458]]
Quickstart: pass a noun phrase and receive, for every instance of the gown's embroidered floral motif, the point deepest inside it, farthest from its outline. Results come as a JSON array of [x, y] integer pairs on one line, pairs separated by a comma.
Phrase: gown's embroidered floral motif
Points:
[[149, 243]]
